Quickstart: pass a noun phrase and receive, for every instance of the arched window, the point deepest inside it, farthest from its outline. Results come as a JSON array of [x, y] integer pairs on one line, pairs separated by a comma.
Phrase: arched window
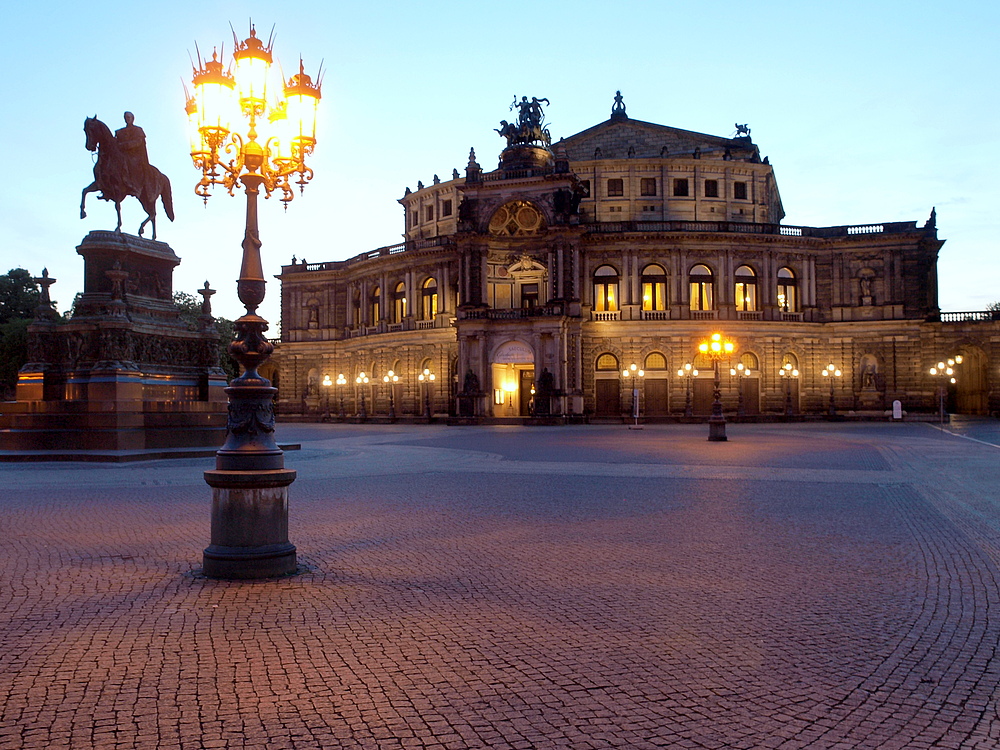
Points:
[[605, 289], [399, 303], [702, 288], [749, 361], [356, 304], [607, 361], [654, 288], [655, 361], [790, 359], [746, 289], [429, 293], [788, 290], [375, 303]]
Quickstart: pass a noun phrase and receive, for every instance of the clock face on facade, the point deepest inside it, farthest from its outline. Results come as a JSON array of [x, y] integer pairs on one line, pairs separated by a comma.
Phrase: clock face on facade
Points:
[[516, 219]]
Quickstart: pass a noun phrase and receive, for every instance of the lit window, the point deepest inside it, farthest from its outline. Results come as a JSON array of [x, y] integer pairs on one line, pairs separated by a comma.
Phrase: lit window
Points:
[[616, 187], [429, 292], [654, 288], [788, 291], [374, 304], [702, 288], [607, 362], [399, 303], [655, 361], [606, 289], [746, 289], [529, 296]]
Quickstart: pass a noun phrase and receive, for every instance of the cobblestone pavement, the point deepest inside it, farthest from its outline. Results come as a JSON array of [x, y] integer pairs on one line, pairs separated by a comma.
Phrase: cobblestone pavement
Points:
[[800, 586]]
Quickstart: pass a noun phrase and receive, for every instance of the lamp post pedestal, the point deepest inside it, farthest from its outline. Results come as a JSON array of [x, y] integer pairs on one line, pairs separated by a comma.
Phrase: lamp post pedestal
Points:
[[249, 525], [717, 422]]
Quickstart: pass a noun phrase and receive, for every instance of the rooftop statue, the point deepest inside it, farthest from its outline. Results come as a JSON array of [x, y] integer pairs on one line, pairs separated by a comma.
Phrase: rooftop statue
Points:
[[123, 169], [530, 127]]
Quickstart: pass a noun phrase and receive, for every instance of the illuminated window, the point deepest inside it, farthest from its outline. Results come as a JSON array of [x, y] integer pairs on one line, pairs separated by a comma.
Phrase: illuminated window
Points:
[[788, 291], [607, 362], [681, 187], [655, 361], [529, 296], [740, 191], [647, 186], [374, 304], [399, 303], [616, 187], [711, 188], [605, 289], [654, 288], [701, 288], [749, 361], [746, 289], [429, 292]]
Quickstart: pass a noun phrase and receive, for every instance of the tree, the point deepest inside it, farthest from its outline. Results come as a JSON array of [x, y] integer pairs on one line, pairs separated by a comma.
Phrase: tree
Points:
[[190, 307], [19, 295], [13, 354]]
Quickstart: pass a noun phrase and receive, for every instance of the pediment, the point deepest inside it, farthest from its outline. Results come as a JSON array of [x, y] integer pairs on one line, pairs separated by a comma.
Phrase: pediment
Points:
[[621, 139]]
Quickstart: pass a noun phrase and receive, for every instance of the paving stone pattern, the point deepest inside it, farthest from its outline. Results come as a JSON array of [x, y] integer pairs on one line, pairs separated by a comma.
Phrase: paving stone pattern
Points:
[[801, 586]]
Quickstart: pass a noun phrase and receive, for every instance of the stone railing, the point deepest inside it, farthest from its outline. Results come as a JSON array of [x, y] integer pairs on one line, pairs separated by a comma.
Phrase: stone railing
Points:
[[401, 247], [976, 316], [513, 313], [739, 227]]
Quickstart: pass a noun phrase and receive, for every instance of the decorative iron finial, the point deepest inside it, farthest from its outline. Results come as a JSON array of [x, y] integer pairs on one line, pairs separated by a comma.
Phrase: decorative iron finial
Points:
[[618, 108], [454, 174]]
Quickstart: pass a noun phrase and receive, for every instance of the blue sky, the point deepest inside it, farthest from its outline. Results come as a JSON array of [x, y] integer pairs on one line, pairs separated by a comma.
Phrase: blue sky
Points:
[[869, 112]]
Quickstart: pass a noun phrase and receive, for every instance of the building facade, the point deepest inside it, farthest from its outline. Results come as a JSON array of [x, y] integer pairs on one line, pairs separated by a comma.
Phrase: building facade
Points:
[[529, 289]]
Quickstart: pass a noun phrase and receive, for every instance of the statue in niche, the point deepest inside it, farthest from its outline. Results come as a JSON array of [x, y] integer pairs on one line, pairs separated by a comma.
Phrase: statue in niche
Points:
[[869, 373]]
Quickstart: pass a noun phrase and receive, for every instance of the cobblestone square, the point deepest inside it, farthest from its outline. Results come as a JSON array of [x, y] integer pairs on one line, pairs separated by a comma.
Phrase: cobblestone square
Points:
[[800, 586]]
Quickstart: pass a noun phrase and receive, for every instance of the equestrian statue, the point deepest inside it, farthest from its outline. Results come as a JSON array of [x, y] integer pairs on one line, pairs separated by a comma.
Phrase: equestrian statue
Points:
[[123, 169]]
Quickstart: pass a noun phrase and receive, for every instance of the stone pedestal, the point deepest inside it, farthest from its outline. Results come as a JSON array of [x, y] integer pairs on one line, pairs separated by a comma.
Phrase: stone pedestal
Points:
[[125, 373], [249, 525]]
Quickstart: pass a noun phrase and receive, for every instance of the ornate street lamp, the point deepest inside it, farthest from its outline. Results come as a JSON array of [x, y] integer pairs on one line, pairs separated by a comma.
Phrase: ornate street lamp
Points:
[[687, 373], [341, 382], [635, 374], [787, 372], [739, 372], [426, 378], [243, 134], [717, 348], [945, 374], [362, 380], [327, 382], [390, 380], [832, 372]]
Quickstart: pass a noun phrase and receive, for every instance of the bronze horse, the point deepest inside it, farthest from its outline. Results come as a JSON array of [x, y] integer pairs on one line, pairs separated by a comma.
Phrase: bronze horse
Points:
[[110, 178]]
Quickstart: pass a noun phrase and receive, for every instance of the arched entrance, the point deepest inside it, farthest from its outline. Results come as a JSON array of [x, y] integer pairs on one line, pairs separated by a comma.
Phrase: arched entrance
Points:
[[513, 374]]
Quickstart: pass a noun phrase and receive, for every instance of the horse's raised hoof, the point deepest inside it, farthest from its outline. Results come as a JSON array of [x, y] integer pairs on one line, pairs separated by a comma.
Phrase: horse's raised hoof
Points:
[[83, 214]]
